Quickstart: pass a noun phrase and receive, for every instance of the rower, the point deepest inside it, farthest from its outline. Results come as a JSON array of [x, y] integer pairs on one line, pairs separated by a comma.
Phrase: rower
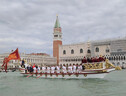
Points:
[[57, 69], [52, 69], [43, 69], [64, 68], [79, 68], [70, 69], [38, 69], [34, 69], [48, 69], [74, 68]]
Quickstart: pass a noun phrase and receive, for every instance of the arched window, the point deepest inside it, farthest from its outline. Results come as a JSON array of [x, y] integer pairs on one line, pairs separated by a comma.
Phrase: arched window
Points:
[[107, 50], [116, 58], [112, 58], [121, 57], [64, 51], [81, 50], [88, 51], [109, 58], [97, 49], [72, 51]]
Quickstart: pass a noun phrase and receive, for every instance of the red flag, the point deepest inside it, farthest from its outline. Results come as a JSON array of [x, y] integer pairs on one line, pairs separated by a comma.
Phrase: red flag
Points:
[[13, 56]]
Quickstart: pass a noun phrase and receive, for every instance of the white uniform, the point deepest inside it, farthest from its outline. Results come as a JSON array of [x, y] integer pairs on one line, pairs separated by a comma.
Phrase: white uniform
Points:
[[26, 65], [52, 69], [74, 68], [48, 69], [34, 69], [79, 69], [57, 69], [43, 69], [38, 69], [64, 69], [70, 69]]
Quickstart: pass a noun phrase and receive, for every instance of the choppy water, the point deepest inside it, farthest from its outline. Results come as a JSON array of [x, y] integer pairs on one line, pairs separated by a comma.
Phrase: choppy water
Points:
[[14, 84]]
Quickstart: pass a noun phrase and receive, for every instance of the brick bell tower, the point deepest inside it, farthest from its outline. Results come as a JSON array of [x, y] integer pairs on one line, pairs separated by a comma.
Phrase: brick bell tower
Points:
[[57, 39]]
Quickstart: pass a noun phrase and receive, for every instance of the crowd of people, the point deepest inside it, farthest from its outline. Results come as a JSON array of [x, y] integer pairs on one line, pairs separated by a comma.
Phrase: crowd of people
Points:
[[93, 59], [61, 68], [54, 69]]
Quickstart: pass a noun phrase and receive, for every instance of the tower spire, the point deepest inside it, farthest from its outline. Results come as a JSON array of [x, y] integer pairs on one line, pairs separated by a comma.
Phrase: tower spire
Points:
[[57, 24]]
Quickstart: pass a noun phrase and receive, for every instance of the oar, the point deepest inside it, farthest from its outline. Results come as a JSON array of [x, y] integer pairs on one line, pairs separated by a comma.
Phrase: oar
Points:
[[29, 75], [39, 76]]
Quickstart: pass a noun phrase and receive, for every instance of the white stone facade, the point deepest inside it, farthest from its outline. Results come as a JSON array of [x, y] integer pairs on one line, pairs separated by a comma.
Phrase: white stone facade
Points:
[[73, 54], [30, 59], [114, 50]]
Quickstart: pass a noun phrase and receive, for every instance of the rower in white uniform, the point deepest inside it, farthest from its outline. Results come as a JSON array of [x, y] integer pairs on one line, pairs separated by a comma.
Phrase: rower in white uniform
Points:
[[52, 69], [70, 69], [74, 68], [64, 69]]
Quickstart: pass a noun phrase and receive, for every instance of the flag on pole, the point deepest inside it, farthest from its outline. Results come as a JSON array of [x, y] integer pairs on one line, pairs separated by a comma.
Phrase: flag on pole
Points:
[[13, 56]]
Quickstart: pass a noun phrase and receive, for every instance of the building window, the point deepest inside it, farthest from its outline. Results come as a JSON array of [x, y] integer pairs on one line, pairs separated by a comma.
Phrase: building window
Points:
[[121, 57], [55, 35], [107, 50], [110, 58], [81, 50], [60, 36], [97, 49], [88, 51], [64, 51], [72, 51], [119, 50]]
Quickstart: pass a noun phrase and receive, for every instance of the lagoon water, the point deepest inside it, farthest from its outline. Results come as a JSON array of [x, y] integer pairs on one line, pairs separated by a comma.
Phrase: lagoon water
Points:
[[14, 84]]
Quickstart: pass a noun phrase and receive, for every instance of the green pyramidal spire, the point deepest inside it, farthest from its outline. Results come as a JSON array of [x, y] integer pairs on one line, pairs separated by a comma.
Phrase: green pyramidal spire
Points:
[[57, 24]]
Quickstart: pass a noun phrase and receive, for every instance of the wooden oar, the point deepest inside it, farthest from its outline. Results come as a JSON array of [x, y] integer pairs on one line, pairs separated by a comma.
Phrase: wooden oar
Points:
[[29, 75], [39, 76]]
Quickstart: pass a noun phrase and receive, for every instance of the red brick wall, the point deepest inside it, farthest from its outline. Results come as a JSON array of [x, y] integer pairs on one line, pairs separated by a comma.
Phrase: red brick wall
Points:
[[56, 49]]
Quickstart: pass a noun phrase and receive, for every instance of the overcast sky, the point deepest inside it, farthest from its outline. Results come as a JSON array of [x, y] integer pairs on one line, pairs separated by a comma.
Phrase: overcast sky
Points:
[[28, 24]]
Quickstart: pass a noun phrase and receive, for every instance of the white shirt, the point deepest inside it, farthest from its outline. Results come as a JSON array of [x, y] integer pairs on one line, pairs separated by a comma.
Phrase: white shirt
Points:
[[34, 69]]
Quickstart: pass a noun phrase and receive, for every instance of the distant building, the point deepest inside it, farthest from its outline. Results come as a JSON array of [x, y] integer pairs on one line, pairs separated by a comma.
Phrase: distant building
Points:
[[33, 58], [114, 50]]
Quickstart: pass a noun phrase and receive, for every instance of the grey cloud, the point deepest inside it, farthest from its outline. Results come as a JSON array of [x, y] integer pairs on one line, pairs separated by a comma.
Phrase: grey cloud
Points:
[[27, 20]]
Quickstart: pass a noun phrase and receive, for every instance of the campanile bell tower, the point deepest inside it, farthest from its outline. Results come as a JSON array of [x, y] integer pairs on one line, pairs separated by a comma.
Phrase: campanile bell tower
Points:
[[57, 39]]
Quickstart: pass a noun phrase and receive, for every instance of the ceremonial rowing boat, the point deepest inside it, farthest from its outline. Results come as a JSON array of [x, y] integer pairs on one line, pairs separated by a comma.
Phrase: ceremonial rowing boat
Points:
[[95, 72]]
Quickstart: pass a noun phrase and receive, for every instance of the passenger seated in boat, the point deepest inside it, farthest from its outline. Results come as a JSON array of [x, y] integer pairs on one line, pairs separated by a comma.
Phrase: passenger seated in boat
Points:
[[89, 60], [83, 67], [84, 60], [101, 58]]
